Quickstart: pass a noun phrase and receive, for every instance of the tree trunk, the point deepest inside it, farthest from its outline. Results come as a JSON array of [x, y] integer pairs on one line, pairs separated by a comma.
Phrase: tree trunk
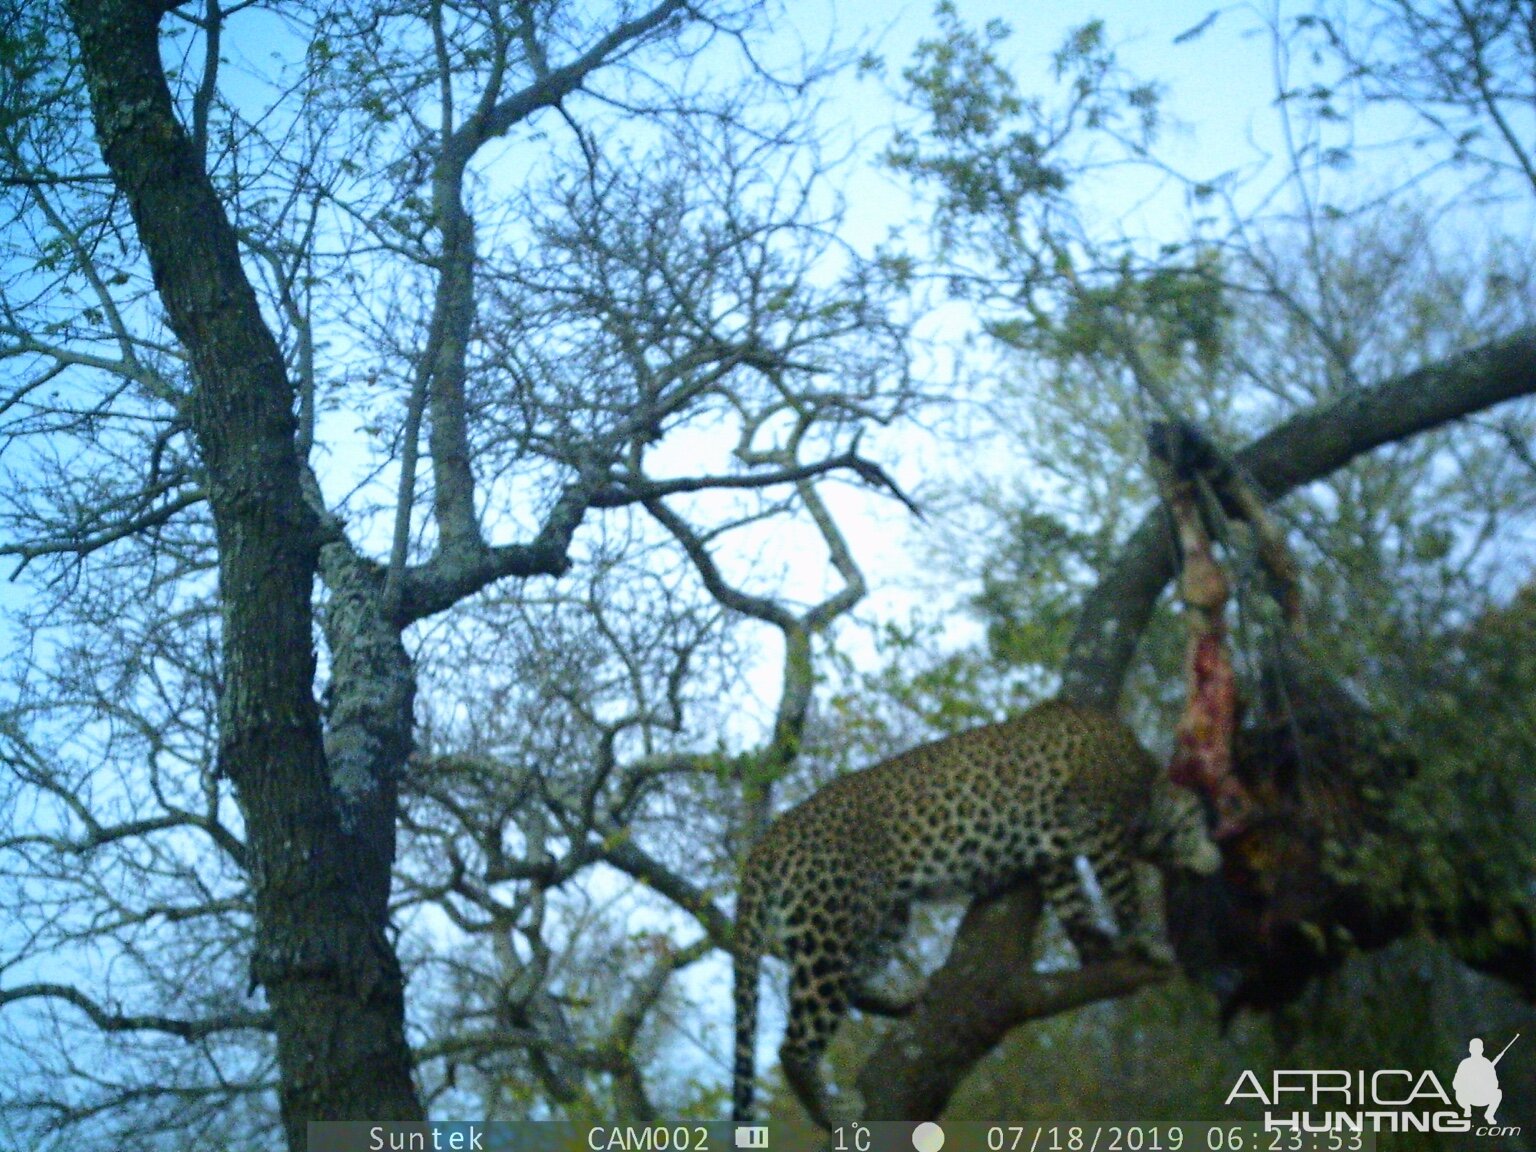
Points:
[[330, 975]]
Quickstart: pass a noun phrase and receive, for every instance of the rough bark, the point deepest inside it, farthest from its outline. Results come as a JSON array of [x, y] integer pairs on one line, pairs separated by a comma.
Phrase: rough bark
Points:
[[369, 716], [987, 987], [333, 983]]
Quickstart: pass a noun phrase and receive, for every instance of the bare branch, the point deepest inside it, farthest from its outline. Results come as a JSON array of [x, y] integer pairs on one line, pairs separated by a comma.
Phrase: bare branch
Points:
[[555, 84], [634, 861], [112, 1021], [83, 544], [639, 491]]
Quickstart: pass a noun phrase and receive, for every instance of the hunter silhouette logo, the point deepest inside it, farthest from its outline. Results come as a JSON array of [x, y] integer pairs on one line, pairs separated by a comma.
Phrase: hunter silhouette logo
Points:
[[1351, 1100], [1477, 1080]]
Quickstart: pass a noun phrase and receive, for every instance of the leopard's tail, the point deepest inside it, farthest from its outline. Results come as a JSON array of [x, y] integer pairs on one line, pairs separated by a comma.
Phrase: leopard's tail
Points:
[[747, 959]]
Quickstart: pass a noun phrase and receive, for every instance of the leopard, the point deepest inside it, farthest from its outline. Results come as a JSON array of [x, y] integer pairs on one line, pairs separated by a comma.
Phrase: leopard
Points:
[[1062, 793]]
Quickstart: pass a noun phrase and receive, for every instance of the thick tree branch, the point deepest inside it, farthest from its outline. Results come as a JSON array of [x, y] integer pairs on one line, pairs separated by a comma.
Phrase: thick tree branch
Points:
[[448, 578], [987, 987], [1304, 448]]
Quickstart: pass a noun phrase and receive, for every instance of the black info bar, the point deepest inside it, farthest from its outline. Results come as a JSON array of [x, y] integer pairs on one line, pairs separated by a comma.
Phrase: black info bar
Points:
[[873, 1136]]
